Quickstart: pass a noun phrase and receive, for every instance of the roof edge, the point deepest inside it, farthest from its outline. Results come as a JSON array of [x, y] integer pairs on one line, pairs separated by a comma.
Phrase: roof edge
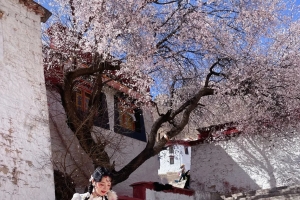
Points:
[[37, 8]]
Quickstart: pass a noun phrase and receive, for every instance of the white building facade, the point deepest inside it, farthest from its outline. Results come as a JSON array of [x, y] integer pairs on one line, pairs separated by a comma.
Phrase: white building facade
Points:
[[25, 168], [123, 147], [173, 157], [246, 163]]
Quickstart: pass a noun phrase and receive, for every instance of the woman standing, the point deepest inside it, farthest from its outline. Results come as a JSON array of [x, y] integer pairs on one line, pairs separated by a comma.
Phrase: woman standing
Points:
[[182, 172], [99, 188]]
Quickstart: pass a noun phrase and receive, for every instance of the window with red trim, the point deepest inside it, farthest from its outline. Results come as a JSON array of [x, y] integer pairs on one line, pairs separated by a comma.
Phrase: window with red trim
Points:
[[129, 119], [82, 100], [82, 104], [126, 117]]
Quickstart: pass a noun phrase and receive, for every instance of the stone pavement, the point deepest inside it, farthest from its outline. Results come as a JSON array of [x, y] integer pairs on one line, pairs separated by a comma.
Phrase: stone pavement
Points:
[[172, 179], [278, 193]]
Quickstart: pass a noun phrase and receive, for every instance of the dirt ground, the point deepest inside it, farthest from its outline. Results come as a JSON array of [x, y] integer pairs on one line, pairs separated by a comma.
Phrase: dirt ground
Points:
[[172, 179]]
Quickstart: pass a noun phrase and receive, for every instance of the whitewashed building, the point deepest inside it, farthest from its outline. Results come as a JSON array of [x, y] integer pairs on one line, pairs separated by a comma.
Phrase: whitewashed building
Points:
[[25, 168], [246, 163], [176, 154], [69, 157]]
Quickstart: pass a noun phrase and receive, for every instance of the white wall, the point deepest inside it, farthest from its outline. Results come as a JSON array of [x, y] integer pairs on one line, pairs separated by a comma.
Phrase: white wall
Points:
[[122, 149], [1, 38], [25, 168], [129, 149], [246, 163], [67, 155], [179, 158], [154, 195]]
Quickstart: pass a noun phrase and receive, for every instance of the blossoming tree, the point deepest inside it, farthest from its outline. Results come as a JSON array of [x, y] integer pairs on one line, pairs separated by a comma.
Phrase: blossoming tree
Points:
[[206, 61]]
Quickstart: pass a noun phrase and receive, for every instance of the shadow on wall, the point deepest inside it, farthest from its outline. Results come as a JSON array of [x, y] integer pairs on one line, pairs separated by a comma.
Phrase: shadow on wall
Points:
[[213, 170], [245, 163], [272, 161]]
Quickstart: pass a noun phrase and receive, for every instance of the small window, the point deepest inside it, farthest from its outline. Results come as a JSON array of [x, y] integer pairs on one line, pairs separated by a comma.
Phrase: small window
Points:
[[82, 104], [186, 150], [101, 119], [171, 150], [82, 101], [129, 119], [171, 160]]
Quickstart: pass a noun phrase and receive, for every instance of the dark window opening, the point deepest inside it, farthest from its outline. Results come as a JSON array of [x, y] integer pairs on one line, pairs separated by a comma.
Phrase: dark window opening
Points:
[[186, 149], [171, 160], [129, 120], [171, 150], [101, 119], [82, 104]]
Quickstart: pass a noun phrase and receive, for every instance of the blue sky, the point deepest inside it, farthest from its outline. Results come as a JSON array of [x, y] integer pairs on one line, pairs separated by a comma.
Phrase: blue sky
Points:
[[46, 5]]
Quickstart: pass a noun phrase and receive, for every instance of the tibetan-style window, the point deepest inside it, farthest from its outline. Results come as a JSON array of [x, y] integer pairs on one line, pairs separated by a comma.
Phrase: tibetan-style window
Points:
[[101, 119], [171, 150], [186, 150], [129, 120], [82, 101], [171, 160]]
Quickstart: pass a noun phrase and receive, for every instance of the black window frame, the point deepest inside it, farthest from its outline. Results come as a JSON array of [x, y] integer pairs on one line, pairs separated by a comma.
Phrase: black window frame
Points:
[[186, 150], [172, 160], [139, 133], [171, 149], [102, 119]]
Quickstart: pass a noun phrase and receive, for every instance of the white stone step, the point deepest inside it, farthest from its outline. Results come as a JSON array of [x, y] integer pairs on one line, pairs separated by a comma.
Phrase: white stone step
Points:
[[279, 193]]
